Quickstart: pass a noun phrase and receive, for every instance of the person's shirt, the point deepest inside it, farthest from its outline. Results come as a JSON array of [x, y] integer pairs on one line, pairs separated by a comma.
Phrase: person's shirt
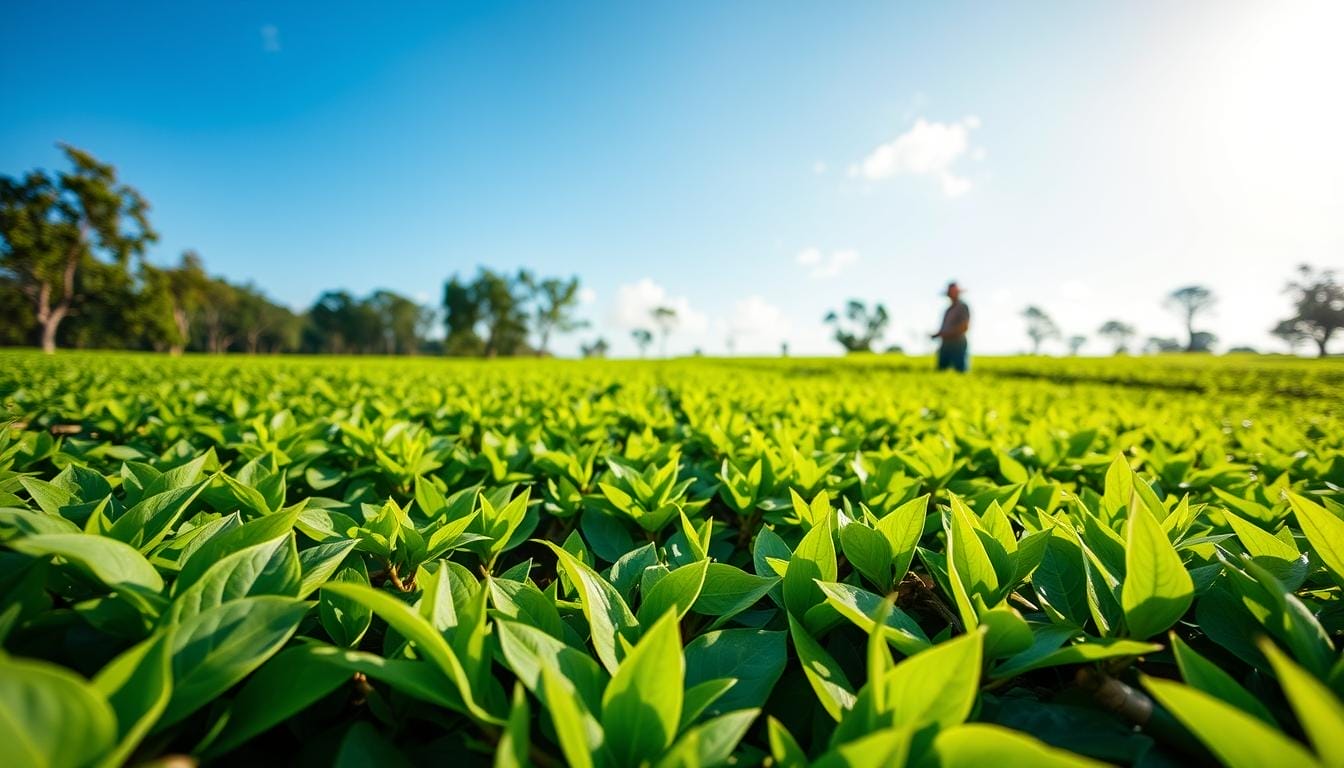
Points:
[[957, 316]]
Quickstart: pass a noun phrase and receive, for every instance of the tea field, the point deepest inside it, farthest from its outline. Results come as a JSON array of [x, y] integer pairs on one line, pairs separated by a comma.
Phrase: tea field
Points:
[[852, 562]]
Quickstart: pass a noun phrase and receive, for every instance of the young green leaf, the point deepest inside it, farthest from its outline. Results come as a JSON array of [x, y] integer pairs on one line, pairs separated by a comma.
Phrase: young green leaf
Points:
[[902, 528], [1317, 707], [1323, 530], [858, 605], [709, 743], [215, 649], [1208, 677], [138, 684], [413, 627], [608, 615], [116, 564], [50, 716], [1157, 590], [514, 743], [813, 561], [868, 551], [977, 744], [345, 620], [938, 685], [270, 568], [578, 743], [833, 689], [1238, 739], [728, 591], [755, 658], [641, 707], [677, 591]]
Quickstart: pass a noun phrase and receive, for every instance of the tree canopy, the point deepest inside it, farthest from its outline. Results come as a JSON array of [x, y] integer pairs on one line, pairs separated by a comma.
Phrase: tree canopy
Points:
[[63, 237], [1318, 309], [859, 327], [1189, 302], [1040, 327]]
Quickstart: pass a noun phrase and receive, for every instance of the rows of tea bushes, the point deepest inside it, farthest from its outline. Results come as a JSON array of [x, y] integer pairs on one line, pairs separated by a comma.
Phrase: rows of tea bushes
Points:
[[842, 563]]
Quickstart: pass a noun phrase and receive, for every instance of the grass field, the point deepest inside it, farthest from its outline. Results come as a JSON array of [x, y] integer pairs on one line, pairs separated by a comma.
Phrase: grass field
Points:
[[855, 561]]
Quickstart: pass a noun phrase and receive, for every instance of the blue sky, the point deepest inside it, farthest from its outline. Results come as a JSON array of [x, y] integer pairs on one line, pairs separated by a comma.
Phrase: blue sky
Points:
[[753, 164]]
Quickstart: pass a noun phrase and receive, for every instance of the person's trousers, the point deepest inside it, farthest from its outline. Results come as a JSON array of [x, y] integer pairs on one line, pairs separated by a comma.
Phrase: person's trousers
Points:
[[954, 355]]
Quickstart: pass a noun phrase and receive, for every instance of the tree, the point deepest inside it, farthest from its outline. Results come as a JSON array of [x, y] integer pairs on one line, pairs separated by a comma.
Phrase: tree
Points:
[[1160, 344], [1202, 341], [643, 338], [259, 320], [666, 319], [400, 322], [598, 348], [330, 323], [1318, 304], [1076, 343], [219, 305], [1039, 327], [554, 302], [1118, 333], [1188, 303], [111, 313], [461, 316], [174, 295], [860, 327], [501, 300], [1291, 334], [53, 229], [492, 314], [17, 323]]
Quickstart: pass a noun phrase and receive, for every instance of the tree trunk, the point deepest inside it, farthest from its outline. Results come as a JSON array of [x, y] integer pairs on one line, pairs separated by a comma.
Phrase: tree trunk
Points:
[[49, 326], [183, 324], [1321, 342], [50, 317]]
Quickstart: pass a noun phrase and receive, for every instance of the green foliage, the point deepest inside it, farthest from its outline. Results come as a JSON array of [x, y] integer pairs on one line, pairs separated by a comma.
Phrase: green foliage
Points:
[[681, 564]]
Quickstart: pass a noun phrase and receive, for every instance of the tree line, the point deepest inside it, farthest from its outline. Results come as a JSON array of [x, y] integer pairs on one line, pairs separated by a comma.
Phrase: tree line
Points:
[[1318, 314], [73, 274]]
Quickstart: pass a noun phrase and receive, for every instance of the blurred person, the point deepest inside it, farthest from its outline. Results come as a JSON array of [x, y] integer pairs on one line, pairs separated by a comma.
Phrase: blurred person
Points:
[[952, 351]]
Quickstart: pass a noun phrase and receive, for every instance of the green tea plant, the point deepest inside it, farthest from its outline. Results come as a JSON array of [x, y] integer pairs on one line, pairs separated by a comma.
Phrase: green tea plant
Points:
[[677, 563]]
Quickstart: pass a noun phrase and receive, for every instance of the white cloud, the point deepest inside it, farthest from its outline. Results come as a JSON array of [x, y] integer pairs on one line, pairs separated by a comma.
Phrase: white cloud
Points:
[[955, 186], [270, 38], [927, 149], [635, 303], [587, 296], [824, 264], [754, 327], [1074, 290], [754, 316], [819, 168]]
